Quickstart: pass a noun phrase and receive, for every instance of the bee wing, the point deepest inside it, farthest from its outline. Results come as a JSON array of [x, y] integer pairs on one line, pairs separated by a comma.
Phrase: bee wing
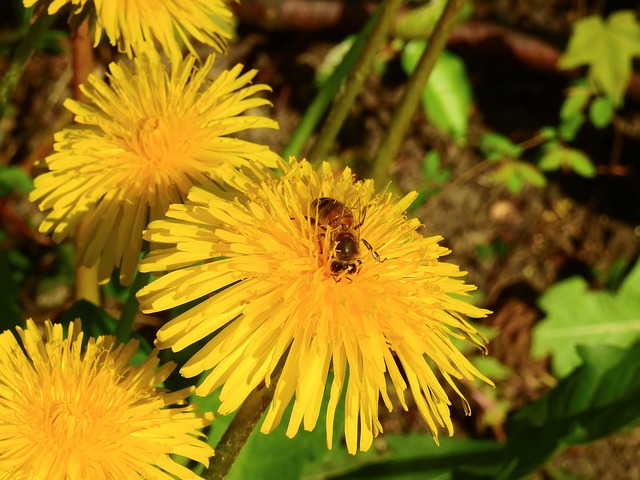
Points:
[[353, 201]]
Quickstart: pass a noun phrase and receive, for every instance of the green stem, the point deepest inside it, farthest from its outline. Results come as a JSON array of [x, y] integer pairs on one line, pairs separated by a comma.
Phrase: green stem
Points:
[[413, 91], [325, 96], [239, 430], [355, 80], [130, 309], [21, 57]]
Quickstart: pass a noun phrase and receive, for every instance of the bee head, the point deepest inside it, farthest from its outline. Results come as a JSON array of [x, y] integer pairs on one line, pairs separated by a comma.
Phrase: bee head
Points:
[[338, 266]]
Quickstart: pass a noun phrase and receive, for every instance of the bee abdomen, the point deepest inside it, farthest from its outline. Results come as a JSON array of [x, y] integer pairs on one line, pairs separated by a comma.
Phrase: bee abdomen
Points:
[[333, 213]]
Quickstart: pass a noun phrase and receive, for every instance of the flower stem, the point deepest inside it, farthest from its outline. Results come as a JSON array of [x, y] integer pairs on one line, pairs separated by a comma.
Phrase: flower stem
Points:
[[413, 91], [82, 58], [21, 57], [241, 426], [353, 84], [130, 309], [327, 93], [82, 47]]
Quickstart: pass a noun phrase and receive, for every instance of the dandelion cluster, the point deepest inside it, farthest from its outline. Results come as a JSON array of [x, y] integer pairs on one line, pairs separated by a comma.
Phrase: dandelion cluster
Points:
[[303, 280], [74, 412], [274, 298]]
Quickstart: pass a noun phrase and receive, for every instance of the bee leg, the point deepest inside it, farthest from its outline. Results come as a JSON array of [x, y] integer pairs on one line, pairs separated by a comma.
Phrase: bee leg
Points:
[[339, 278], [359, 265], [375, 254]]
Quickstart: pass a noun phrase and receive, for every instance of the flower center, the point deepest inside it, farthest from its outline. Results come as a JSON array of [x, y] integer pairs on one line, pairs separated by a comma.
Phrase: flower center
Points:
[[159, 143], [70, 424]]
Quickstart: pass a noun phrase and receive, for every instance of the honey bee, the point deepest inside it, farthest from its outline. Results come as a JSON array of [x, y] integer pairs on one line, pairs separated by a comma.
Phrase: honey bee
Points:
[[336, 218]]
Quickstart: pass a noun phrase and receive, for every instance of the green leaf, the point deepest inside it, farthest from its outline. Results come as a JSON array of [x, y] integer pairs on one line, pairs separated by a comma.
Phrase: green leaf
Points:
[[552, 160], [597, 399], [516, 174], [577, 316], [490, 251], [263, 455], [333, 59], [575, 103], [569, 127], [431, 165], [580, 163], [96, 322], [569, 159], [491, 367], [419, 22], [612, 279], [421, 198], [326, 95], [14, 179], [601, 112], [496, 147], [447, 96], [607, 48], [407, 457], [548, 133], [444, 176], [530, 174]]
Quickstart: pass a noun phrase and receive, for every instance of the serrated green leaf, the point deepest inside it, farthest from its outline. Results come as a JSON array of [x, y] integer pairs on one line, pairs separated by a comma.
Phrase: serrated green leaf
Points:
[[447, 96], [601, 112], [577, 316], [607, 48], [597, 399], [495, 147]]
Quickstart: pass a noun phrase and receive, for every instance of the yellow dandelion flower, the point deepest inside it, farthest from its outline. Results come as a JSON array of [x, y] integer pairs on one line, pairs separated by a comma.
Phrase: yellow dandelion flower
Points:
[[292, 286], [74, 413], [134, 25], [140, 144]]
